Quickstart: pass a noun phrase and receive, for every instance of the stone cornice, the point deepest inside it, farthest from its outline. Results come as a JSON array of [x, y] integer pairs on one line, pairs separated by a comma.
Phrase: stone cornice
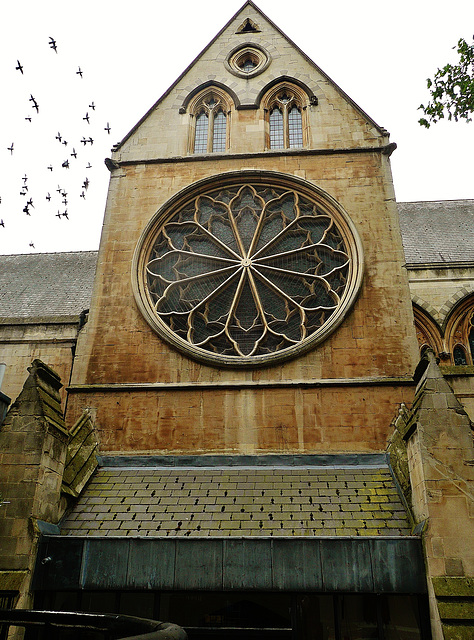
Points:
[[240, 384], [385, 150]]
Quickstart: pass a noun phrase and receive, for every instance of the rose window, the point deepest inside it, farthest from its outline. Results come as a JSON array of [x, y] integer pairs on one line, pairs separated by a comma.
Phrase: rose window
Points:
[[247, 273]]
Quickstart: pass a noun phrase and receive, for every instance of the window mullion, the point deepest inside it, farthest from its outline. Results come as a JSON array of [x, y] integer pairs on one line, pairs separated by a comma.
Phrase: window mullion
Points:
[[210, 132], [286, 128]]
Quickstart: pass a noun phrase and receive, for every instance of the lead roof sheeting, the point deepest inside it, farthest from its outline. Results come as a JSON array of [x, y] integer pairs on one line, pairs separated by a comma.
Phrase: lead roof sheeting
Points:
[[439, 231], [46, 284], [239, 502]]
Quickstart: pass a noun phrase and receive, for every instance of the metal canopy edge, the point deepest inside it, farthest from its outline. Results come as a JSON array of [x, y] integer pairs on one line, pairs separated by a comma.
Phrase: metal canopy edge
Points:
[[340, 564]]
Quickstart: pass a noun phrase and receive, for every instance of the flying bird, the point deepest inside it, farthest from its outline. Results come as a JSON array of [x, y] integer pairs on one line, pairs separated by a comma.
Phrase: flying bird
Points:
[[84, 141], [10, 149], [92, 106], [83, 195], [31, 245], [89, 166], [79, 72], [30, 203], [91, 141], [58, 215], [50, 167], [59, 137], [26, 210], [28, 118], [25, 178], [86, 118], [107, 128], [74, 153], [35, 104], [65, 164], [19, 67], [48, 197], [52, 44], [2, 224], [65, 215], [85, 184]]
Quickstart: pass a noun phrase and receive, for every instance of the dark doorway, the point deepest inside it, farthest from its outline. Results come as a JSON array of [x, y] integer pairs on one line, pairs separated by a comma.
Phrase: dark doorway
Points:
[[248, 615]]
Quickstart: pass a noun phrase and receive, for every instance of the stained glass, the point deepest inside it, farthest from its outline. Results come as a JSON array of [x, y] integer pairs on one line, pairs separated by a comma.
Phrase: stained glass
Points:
[[200, 140], [276, 129], [218, 141], [295, 128], [255, 270]]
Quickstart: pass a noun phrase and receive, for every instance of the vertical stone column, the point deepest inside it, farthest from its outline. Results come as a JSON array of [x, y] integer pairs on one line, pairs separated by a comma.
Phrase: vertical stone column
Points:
[[440, 459], [33, 445]]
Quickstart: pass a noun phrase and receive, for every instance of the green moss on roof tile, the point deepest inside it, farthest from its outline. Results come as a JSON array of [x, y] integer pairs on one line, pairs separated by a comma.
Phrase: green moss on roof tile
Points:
[[260, 502]]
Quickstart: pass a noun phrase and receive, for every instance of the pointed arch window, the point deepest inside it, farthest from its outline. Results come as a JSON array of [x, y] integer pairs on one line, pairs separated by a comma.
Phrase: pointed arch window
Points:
[[200, 138], [460, 332], [459, 355], [277, 138], [295, 128], [210, 113], [285, 106]]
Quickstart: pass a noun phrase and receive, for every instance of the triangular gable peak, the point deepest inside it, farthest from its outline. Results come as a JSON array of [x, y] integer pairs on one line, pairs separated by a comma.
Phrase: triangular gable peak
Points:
[[164, 130]]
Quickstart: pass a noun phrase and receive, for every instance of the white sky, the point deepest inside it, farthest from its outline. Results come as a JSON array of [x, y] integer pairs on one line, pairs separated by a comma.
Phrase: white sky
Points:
[[380, 53]]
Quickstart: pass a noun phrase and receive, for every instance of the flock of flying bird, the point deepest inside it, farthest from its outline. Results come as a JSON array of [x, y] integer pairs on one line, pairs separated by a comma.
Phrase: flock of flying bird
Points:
[[70, 156]]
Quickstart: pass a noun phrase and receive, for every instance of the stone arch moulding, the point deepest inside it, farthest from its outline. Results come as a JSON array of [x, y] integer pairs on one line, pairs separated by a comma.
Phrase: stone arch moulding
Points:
[[307, 96], [209, 120], [224, 273], [459, 328], [428, 332], [259, 57], [450, 305], [231, 96], [285, 112]]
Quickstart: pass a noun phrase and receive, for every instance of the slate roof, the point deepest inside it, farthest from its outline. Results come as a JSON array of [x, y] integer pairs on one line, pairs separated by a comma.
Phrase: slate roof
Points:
[[439, 231], [60, 284], [46, 284], [239, 501]]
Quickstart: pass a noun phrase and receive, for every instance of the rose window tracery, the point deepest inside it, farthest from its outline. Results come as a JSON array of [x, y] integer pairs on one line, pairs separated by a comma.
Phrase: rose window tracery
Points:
[[247, 272]]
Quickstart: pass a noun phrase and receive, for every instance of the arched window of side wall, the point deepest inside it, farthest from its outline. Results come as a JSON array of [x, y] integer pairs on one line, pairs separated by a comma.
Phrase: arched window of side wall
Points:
[[460, 332], [209, 114], [285, 117]]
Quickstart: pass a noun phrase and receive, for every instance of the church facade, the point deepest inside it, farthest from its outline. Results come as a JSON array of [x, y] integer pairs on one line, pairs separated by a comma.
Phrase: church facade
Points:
[[250, 445]]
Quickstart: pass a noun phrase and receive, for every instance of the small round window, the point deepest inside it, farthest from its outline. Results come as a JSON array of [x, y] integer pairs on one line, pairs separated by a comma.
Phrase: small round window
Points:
[[247, 61], [247, 269]]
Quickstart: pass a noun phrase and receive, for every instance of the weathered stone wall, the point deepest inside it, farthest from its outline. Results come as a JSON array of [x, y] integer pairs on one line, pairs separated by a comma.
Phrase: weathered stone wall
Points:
[[243, 420], [439, 287], [376, 340], [21, 343], [461, 380]]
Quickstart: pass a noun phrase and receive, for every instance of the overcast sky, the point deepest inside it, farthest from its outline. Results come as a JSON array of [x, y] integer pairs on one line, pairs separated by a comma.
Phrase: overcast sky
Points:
[[380, 53]]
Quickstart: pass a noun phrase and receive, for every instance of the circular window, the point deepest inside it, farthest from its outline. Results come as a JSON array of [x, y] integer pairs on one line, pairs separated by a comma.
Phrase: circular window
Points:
[[247, 269], [247, 60]]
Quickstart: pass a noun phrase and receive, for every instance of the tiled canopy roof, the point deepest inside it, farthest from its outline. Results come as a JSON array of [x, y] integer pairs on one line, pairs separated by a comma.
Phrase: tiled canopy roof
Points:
[[46, 284], [239, 501], [440, 231]]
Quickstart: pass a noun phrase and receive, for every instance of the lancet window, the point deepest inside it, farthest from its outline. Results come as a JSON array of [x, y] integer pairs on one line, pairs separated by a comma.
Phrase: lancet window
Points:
[[286, 118], [210, 113]]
